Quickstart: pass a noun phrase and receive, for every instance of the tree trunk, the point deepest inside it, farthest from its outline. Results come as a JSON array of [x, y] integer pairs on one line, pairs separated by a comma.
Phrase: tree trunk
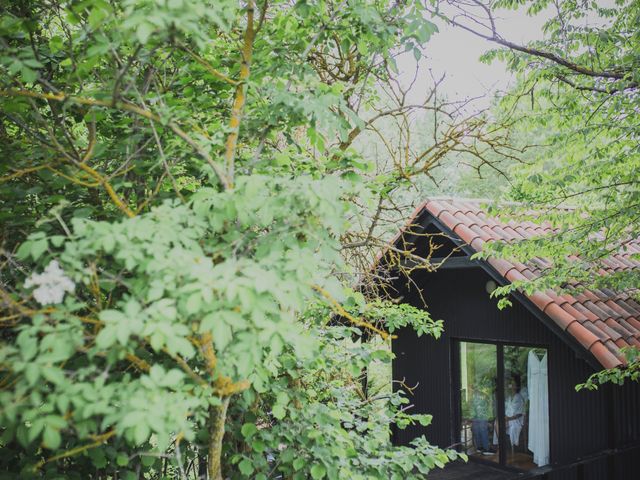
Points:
[[217, 418]]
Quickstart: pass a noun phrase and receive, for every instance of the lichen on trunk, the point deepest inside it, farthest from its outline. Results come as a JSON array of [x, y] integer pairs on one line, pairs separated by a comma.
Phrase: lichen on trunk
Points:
[[217, 418]]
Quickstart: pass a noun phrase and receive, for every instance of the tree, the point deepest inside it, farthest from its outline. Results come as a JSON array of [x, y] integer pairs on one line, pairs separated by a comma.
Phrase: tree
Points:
[[181, 187], [578, 89]]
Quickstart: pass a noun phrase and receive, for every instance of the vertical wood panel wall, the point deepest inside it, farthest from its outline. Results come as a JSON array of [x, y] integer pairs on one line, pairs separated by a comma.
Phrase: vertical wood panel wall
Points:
[[581, 423]]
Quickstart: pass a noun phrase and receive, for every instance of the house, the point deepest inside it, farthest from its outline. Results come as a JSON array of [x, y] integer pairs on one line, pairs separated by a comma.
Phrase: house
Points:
[[500, 384]]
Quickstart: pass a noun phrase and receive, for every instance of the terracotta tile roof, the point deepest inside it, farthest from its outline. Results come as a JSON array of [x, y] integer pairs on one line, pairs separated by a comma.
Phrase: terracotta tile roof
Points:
[[602, 321]]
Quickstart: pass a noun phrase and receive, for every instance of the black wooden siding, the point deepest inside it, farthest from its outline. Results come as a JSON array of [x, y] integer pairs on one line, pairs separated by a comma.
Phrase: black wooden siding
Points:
[[581, 423]]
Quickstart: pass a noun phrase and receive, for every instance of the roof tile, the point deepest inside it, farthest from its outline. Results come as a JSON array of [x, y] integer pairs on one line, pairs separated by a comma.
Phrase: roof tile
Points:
[[627, 307], [592, 327], [604, 356], [563, 318], [586, 312], [541, 300], [584, 336], [451, 221], [514, 275], [593, 308], [502, 266], [601, 320], [610, 332], [619, 329], [575, 313], [617, 308], [465, 233]]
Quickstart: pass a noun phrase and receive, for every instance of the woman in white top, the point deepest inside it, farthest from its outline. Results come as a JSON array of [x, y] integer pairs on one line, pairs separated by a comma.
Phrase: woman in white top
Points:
[[514, 405], [514, 410]]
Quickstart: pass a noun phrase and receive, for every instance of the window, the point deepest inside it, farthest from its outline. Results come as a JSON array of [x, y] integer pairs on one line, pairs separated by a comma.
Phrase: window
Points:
[[504, 413], [478, 372]]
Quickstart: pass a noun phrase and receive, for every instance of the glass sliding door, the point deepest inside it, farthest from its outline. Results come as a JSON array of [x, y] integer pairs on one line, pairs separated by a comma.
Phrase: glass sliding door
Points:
[[504, 405], [526, 407], [478, 375]]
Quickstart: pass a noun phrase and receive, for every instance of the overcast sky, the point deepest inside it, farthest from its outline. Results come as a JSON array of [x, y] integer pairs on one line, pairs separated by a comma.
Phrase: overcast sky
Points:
[[456, 52]]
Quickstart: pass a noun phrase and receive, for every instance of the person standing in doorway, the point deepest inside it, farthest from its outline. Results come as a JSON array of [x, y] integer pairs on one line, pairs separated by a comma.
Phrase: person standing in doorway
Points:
[[514, 406]]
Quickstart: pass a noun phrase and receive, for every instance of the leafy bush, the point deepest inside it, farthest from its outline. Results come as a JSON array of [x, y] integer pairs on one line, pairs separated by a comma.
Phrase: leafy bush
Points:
[[203, 301]]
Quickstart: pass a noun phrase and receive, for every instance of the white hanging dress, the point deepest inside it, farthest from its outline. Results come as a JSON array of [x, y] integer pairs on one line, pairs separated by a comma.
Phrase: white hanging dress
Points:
[[537, 378]]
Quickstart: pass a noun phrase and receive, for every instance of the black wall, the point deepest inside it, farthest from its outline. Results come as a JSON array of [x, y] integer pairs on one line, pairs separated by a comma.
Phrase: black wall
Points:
[[581, 423]]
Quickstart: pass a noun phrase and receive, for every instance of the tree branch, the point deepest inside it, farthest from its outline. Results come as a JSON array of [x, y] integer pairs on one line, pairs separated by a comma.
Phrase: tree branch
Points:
[[496, 38], [241, 93], [127, 107]]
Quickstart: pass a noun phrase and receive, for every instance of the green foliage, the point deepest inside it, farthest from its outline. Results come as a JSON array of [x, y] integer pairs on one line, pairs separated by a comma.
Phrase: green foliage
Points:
[[394, 316], [235, 264], [581, 100], [180, 181], [578, 97], [618, 375], [321, 424]]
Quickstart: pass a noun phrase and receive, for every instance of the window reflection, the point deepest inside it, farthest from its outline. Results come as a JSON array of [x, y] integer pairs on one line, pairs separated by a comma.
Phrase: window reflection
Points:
[[526, 407], [526, 410], [478, 395]]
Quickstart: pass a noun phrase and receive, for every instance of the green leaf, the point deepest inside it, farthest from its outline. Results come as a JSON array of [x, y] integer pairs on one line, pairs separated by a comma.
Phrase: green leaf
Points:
[[194, 302], [122, 332], [38, 247], [278, 411], [258, 446], [298, 463], [32, 373], [112, 316], [318, 471], [57, 240], [56, 43], [36, 428], [24, 250], [29, 76], [122, 459], [144, 31], [157, 341], [108, 243], [246, 467], [51, 438], [98, 457], [248, 430], [54, 375], [173, 378], [222, 336], [282, 398], [106, 338], [28, 345], [140, 433]]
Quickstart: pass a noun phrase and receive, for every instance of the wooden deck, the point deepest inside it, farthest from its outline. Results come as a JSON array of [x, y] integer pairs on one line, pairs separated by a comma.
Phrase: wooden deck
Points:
[[471, 471]]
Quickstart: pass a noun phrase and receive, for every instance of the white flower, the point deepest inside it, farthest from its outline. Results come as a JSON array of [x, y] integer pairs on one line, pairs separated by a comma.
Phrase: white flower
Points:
[[51, 284]]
